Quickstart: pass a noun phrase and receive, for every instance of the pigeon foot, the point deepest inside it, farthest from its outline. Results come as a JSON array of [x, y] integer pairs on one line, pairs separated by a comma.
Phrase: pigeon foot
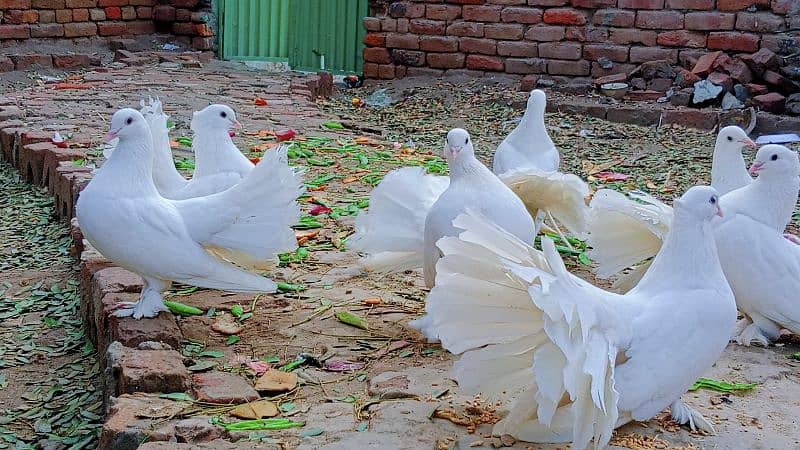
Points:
[[752, 334], [685, 415], [792, 238]]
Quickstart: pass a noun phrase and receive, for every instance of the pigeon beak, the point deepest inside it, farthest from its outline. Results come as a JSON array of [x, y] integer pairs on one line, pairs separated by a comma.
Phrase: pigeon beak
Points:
[[236, 124], [455, 151], [756, 167], [719, 211], [747, 142], [111, 135]]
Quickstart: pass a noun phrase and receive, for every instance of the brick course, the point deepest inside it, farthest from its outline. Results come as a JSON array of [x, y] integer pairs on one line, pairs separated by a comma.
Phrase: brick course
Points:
[[567, 37]]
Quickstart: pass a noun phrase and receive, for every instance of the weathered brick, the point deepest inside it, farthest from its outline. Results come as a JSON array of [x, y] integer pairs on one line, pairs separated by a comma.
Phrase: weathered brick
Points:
[[375, 40], [48, 4], [30, 16], [575, 68], [564, 16], [548, 2], [223, 388], [521, 15], [507, 2], [761, 22], [80, 3], [407, 41], [179, 28], [785, 6], [709, 62], [481, 13], [402, 25], [47, 16], [97, 15], [446, 60], [659, 20], [442, 44], [163, 13], [709, 21], [545, 33], [372, 23], [476, 45], [644, 54], [614, 18], [483, 62], [620, 69], [118, 29], [593, 4], [526, 65], [690, 4], [681, 38], [388, 24], [183, 15], [150, 371], [32, 61], [408, 57], [507, 31], [442, 12], [771, 102], [80, 15], [77, 29], [104, 3], [740, 42], [617, 53], [738, 5], [63, 15], [517, 49], [406, 9], [427, 26], [560, 50], [16, 4], [71, 61], [587, 34], [424, 72], [641, 4], [6, 65], [113, 13], [128, 13], [47, 30], [471, 29], [377, 55]]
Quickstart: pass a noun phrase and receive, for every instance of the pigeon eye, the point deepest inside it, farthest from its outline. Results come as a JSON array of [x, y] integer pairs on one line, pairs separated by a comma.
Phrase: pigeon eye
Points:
[[129, 121], [774, 157], [466, 141], [713, 200], [223, 114], [730, 138]]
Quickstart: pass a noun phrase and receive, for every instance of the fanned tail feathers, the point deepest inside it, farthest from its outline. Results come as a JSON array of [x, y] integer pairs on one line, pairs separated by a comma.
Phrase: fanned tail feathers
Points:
[[624, 232], [391, 232]]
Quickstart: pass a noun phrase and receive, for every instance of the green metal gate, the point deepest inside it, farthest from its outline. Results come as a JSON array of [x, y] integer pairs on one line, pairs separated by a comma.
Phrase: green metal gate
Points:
[[310, 35]]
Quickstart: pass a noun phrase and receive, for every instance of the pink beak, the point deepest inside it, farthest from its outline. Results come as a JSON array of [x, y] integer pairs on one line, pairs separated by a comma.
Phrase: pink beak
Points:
[[756, 167], [748, 142], [237, 125], [455, 151], [110, 136], [719, 211]]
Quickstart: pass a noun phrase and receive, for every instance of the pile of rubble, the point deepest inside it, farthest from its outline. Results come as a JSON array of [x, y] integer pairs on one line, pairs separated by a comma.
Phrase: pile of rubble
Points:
[[760, 80]]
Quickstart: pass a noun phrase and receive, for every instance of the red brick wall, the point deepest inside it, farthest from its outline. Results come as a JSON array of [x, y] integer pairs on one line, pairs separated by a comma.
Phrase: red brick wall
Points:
[[567, 37], [26, 19]]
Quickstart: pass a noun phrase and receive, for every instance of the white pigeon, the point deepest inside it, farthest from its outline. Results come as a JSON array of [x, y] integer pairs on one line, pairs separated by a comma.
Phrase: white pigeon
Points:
[[527, 161], [410, 210], [624, 232], [761, 266], [574, 361], [124, 217]]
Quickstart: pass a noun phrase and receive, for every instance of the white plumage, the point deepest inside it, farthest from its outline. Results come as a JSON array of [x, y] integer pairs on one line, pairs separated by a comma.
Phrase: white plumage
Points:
[[124, 217], [598, 359]]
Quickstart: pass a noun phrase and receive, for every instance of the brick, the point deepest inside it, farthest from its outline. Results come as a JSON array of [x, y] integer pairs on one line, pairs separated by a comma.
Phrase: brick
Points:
[[508, 2], [199, 43], [593, 4], [63, 15], [517, 49], [686, 78], [30, 16], [163, 13], [690, 4], [407, 41], [47, 30], [641, 4], [370, 70], [375, 40], [112, 29], [682, 38], [406, 9], [721, 79], [482, 62], [446, 60], [771, 102], [693, 118], [6, 65], [222, 388], [47, 16], [78, 29], [614, 18], [150, 371], [408, 57], [785, 6], [80, 15], [659, 20], [442, 44], [48, 4], [560, 50], [545, 33], [618, 69], [617, 53], [761, 22], [762, 60], [476, 45], [377, 55], [713, 21], [739, 71], [548, 2], [471, 29], [80, 3], [507, 31], [521, 15], [424, 72], [129, 13], [709, 63], [104, 3], [203, 17], [442, 12], [31, 61], [426, 26], [780, 82], [526, 65], [626, 36], [97, 15], [615, 78], [402, 25], [481, 13], [188, 4], [372, 23], [644, 54], [738, 5], [587, 34], [179, 28], [564, 16], [16, 4], [183, 15], [756, 89], [734, 41], [575, 68], [388, 24]]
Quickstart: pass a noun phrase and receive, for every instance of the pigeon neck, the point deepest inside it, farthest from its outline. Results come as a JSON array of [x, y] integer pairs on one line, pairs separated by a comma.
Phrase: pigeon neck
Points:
[[467, 168], [217, 149], [129, 170], [728, 170], [771, 199], [687, 258], [166, 176], [531, 132]]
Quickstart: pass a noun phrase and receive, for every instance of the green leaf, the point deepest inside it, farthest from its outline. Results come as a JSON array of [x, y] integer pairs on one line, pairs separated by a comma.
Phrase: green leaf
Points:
[[177, 396], [201, 366], [3, 381], [795, 355], [237, 311], [584, 259], [333, 125], [181, 309], [272, 359], [405, 353], [286, 287], [260, 424], [721, 386], [351, 319], [232, 339], [312, 432]]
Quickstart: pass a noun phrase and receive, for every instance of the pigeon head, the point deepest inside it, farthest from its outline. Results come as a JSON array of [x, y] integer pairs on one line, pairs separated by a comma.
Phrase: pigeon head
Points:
[[215, 117], [458, 145], [537, 101], [701, 202], [733, 138], [127, 123], [775, 159]]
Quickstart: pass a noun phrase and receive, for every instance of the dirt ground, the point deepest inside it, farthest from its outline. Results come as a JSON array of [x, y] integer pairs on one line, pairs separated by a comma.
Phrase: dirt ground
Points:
[[383, 386]]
